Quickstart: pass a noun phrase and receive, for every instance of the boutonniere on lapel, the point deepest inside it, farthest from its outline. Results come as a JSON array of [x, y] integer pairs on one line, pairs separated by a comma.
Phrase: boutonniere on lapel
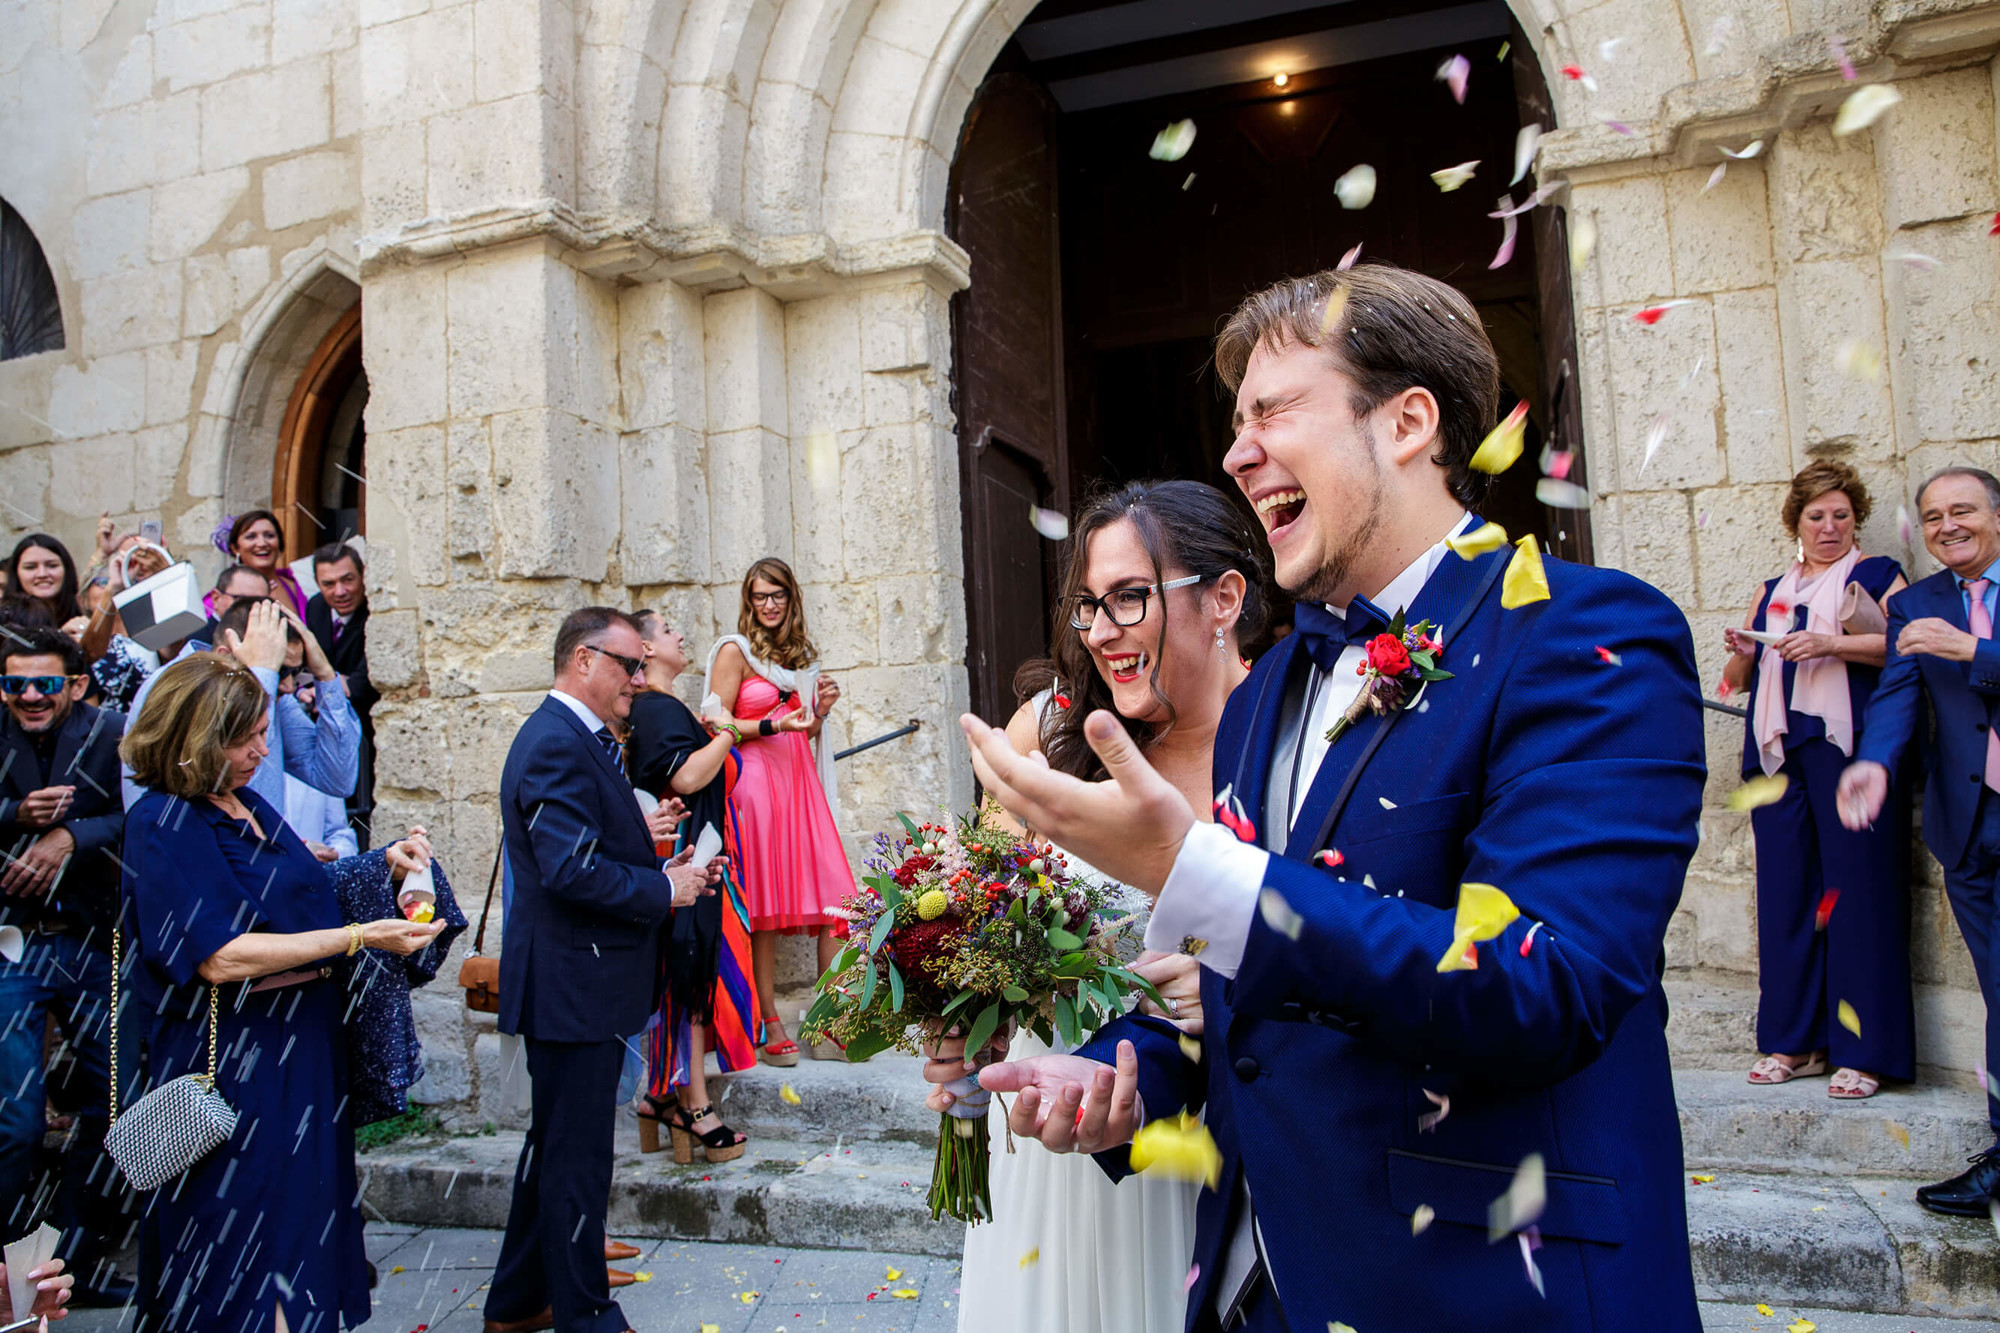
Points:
[[1397, 666]]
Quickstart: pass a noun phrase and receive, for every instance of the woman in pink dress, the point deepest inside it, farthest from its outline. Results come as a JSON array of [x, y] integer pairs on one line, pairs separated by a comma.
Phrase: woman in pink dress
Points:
[[764, 687], [255, 540]]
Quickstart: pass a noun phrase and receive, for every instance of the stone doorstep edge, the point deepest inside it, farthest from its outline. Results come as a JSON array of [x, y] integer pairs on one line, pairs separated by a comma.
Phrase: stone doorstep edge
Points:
[[1824, 1241]]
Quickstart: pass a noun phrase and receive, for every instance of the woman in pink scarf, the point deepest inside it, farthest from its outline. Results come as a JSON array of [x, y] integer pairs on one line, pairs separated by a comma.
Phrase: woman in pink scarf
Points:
[[1832, 906]]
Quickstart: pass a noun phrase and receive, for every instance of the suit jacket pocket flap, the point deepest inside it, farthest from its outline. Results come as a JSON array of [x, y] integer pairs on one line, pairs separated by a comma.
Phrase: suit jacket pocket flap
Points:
[[1367, 823], [1579, 1207]]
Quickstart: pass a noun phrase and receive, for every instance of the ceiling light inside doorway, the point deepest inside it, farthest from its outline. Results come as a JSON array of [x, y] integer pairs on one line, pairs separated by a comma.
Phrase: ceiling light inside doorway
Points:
[[1281, 79]]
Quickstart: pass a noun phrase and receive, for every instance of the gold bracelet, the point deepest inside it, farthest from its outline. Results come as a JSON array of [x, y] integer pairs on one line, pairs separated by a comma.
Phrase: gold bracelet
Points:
[[353, 939]]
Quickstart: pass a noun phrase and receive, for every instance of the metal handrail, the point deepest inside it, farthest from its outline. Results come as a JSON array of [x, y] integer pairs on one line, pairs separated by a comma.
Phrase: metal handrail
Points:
[[914, 725], [1730, 709]]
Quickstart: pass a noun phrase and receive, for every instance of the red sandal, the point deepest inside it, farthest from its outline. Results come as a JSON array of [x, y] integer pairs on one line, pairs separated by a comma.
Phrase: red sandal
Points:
[[781, 1054]]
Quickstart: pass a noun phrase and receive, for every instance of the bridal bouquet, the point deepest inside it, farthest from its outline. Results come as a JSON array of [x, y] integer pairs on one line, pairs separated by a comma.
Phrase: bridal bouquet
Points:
[[969, 929]]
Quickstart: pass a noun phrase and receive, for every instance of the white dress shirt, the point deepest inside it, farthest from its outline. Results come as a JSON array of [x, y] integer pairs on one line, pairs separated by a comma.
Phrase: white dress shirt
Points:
[[592, 723]]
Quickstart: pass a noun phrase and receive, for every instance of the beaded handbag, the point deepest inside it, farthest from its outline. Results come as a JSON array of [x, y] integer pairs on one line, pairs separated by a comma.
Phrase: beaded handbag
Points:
[[168, 1130]]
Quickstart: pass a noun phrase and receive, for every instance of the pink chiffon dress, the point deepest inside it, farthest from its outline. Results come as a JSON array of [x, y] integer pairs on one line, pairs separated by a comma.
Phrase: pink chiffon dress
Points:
[[794, 867]]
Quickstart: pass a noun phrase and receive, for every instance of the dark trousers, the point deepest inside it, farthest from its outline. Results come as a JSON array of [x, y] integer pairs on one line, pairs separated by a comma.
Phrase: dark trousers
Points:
[[1971, 888], [553, 1253], [1863, 954], [69, 977]]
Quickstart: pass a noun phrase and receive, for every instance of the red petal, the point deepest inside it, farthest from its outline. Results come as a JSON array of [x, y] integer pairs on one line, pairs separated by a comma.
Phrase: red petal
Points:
[[1826, 902], [1994, 230], [1572, 71], [1650, 315], [1332, 857]]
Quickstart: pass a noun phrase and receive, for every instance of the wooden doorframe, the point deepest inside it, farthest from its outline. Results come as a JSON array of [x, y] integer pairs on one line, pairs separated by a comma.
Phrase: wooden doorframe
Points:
[[331, 370]]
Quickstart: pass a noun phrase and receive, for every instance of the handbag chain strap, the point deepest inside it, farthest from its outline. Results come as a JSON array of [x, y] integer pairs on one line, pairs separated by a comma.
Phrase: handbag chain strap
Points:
[[207, 1081], [492, 882]]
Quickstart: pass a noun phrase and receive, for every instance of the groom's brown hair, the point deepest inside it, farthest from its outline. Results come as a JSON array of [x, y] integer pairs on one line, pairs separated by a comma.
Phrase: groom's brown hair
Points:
[[1391, 330]]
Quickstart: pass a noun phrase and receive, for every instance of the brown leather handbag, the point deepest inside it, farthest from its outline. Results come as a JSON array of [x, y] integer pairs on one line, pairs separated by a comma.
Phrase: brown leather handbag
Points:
[[478, 975]]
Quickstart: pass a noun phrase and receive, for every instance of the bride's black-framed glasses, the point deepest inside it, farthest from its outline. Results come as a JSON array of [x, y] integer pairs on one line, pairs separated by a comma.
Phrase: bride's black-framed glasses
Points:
[[1125, 606]]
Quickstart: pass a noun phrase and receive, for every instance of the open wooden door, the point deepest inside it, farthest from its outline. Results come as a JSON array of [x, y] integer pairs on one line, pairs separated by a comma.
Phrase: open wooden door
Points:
[[1007, 378]]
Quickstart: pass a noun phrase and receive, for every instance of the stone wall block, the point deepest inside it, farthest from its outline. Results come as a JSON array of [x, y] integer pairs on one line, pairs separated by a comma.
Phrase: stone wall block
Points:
[[499, 341], [301, 28], [317, 185], [925, 773], [744, 340], [819, 524], [844, 626], [583, 364], [408, 346], [1746, 32], [469, 491], [922, 618], [1740, 544], [896, 332], [284, 110], [522, 46], [916, 395], [891, 483], [127, 311], [1944, 331], [823, 358], [1650, 60], [1666, 381], [750, 501], [218, 287], [1756, 428], [417, 67], [156, 463], [876, 64], [1633, 261], [853, 209], [212, 48], [481, 731], [24, 480], [1936, 150], [145, 144], [555, 502], [90, 477], [1654, 541], [109, 235], [395, 176], [1822, 307], [1824, 199], [663, 484], [187, 212], [661, 367], [105, 393], [170, 371], [406, 471], [1725, 923], [1722, 238], [393, 651], [519, 149], [411, 752]]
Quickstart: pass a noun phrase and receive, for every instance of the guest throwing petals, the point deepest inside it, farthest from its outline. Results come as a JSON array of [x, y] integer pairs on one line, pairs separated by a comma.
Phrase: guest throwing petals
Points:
[[764, 688], [1811, 688]]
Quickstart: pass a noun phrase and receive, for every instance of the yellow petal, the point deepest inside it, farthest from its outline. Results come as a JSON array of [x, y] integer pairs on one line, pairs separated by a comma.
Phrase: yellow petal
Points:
[[1848, 1018], [1190, 1048], [1526, 1195], [642, 1277], [1765, 1310], [1488, 537], [893, 1273], [1861, 109], [787, 1095], [1704, 1180], [1032, 1257], [1483, 911], [1335, 1326], [397, 1269], [711, 1328], [1501, 448], [1525, 580], [1178, 1148], [1801, 1326], [1336, 303], [1900, 1133], [1422, 1218], [746, 1296], [1460, 957], [906, 1294], [1757, 791]]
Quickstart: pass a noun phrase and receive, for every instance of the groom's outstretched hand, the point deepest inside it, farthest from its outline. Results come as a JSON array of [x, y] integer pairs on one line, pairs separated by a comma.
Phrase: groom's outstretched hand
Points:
[[1068, 1102], [1131, 827]]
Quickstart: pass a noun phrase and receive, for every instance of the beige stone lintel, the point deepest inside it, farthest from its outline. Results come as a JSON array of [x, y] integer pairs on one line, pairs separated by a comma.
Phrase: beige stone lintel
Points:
[[714, 257], [1795, 84]]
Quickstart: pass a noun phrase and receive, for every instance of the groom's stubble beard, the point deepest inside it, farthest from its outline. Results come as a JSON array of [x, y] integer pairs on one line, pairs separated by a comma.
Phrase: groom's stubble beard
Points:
[[1326, 581]]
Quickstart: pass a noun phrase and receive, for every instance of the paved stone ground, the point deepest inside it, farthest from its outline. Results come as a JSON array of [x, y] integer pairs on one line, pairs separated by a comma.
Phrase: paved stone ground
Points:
[[444, 1272]]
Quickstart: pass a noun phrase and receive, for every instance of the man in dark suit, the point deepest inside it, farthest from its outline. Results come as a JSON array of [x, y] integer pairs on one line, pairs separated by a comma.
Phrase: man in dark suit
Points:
[[1941, 648], [337, 615], [579, 968], [1353, 1050], [61, 821]]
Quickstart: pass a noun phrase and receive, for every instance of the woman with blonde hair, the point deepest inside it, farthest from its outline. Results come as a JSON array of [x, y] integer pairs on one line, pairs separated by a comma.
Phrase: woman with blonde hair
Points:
[[236, 956], [765, 688], [1832, 904]]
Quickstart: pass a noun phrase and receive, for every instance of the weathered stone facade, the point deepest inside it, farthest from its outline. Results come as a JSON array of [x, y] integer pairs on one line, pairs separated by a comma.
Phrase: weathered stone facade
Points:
[[654, 287]]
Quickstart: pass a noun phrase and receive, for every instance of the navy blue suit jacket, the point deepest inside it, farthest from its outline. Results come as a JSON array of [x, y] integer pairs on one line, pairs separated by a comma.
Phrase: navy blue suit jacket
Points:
[[1575, 786], [1963, 694], [86, 758], [580, 958]]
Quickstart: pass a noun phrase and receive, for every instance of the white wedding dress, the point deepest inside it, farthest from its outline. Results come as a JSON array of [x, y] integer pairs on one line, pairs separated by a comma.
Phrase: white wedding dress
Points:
[[1067, 1251]]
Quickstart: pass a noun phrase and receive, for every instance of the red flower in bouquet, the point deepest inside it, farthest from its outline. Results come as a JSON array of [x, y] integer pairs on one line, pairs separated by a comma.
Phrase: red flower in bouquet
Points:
[[1388, 655]]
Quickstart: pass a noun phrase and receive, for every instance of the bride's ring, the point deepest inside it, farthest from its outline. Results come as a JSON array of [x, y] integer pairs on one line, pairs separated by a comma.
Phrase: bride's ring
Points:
[[1173, 1006]]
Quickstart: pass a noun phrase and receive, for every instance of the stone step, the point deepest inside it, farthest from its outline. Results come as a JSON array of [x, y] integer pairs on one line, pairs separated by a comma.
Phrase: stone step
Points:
[[1921, 1131], [1711, 1023]]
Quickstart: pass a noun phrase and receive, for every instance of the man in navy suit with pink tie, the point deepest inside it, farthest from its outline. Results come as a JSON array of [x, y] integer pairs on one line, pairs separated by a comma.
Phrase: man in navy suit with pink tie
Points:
[[1354, 1087]]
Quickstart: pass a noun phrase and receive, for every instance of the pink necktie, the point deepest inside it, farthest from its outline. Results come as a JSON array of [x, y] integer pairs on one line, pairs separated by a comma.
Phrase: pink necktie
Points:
[[1982, 628]]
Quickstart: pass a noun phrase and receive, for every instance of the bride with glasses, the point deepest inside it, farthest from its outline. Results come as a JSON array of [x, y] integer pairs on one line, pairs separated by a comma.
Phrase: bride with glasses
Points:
[[1163, 585]]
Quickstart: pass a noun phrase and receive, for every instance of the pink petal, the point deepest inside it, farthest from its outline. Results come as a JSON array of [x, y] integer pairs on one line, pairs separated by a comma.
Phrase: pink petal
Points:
[[1903, 524], [1615, 126], [1347, 260], [1454, 73], [1193, 1276], [1839, 49], [1560, 462], [1508, 230]]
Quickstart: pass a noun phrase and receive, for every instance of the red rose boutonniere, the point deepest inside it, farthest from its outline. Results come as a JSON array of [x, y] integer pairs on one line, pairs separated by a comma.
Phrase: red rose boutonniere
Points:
[[1395, 668]]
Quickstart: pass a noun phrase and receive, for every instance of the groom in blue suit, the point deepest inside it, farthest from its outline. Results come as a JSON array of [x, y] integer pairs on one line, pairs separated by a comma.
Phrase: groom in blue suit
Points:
[[1369, 1107]]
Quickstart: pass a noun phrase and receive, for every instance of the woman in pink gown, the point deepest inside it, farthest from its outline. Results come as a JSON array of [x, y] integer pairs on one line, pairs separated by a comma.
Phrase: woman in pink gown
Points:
[[764, 686]]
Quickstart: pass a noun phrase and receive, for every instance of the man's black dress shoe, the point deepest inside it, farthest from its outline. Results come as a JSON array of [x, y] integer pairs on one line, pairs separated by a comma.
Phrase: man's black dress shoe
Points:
[[109, 1294], [1970, 1194]]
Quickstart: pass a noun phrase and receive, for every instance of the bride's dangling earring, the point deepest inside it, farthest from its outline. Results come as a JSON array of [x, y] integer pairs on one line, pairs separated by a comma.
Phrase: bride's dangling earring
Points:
[[1221, 649]]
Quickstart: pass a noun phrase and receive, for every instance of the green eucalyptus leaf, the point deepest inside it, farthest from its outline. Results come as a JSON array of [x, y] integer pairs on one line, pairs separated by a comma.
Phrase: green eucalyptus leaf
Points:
[[1014, 995], [910, 827], [1062, 939], [1066, 1019], [958, 1002], [881, 932], [868, 985], [982, 1028], [895, 989], [892, 898], [865, 1045]]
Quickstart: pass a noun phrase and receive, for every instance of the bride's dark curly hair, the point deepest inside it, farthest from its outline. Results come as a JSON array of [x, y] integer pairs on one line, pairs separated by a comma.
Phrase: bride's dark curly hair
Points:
[[1183, 525]]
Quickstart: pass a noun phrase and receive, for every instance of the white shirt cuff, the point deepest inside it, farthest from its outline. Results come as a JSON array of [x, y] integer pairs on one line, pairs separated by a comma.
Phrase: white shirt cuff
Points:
[[1210, 894]]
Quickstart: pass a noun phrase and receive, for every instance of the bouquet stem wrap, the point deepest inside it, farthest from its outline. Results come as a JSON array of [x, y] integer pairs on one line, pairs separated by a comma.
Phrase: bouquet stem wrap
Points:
[[959, 1178]]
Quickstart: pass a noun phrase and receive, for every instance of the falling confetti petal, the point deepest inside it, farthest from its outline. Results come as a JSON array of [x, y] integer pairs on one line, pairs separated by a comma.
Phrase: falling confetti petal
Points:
[[1616, 126], [1557, 462], [1525, 580], [1422, 1218], [822, 460], [1900, 1133], [1608, 657], [1575, 74], [1651, 314], [1347, 260], [1388, 804], [1749, 150], [1278, 914], [1508, 229], [1032, 1257], [1994, 230], [1858, 360], [1801, 1326], [1526, 144], [1489, 537], [1922, 263], [1190, 1048], [1903, 524], [1656, 435], [1702, 1180], [1758, 791], [1825, 909], [1335, 1326], [1193, 1276], [790, 1097], [1049, 523], [1430, 1120], [1559, 494], [1848, 1018], [1528, 1258], [1582, 242], [711, 1328], [1336, 305], [1453, 73], [1863, 107], [1523, 1201], [1356, 187], [1535, 200], [1483, 912], [906, 1294], [1452, 177], [1505, 47], [1177, 1148], [1172, 143], [1501, 448], [1715, 177], [1836, 45], [1607, 49], [1718, 35]]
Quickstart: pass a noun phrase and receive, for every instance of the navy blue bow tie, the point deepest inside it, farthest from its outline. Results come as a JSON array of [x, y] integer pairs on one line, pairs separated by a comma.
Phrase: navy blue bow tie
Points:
[[1324, 634]]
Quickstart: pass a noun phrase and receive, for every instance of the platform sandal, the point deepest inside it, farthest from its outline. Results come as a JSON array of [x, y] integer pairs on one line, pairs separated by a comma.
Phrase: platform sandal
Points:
[[652, 1113], [721, 1144], [782, 1053]]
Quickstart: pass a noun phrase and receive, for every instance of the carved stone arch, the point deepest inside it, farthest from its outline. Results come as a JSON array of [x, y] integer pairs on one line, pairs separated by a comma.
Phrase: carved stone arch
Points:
[[791, 112], [706, 127], [626, 50]]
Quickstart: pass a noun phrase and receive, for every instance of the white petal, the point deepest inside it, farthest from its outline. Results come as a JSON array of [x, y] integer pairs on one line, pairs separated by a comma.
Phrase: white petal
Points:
[[1356, 188]]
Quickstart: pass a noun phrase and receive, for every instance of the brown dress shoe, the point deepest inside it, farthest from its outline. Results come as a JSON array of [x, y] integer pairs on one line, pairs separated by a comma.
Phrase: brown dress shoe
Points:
[[532, 1324], [619, 1277], [618, 1249]]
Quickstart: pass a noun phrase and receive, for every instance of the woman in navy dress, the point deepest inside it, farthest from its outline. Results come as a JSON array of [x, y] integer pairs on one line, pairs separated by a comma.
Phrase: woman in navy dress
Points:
[[265, 1232], [1832, 905]]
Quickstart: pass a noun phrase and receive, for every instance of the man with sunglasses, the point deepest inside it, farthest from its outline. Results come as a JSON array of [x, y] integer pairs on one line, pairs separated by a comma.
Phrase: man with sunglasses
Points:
[[579, 966], [61, 821]]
